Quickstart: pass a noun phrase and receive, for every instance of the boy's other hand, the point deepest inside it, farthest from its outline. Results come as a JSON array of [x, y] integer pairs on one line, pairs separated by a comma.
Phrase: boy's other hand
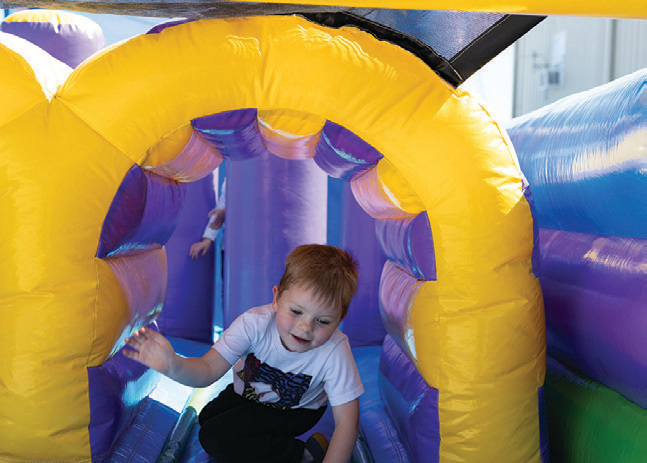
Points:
[[150, 348]]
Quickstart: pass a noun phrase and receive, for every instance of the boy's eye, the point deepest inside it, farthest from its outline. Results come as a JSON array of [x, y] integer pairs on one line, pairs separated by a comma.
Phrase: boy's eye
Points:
[[296, 311], [324, 322]]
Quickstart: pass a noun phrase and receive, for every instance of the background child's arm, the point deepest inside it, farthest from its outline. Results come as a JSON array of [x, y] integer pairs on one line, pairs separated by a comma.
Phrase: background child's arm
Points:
[[155, 351], [345, 434]]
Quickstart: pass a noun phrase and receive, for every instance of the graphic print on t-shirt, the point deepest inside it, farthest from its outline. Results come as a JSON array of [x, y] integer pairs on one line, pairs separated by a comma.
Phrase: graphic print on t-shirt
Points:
[[271, 386]]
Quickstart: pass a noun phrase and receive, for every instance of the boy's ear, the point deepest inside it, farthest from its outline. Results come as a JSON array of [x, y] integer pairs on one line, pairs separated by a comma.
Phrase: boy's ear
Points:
[[275, 292]]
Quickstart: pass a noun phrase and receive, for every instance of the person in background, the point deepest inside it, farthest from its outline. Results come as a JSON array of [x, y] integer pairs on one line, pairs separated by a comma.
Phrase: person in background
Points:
[[289, 361], [216, 221]]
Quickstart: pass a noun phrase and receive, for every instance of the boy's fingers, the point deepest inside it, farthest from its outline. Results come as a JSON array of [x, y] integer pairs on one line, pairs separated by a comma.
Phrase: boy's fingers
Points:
[[130, 353]]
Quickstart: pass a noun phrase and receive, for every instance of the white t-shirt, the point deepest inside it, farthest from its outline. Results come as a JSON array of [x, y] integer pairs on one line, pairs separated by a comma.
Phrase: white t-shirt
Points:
[[265, 371]]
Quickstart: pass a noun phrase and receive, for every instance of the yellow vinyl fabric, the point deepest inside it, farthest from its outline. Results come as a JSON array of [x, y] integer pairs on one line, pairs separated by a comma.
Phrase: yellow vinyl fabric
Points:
[[627, 9], [478, 330], [29, 74]]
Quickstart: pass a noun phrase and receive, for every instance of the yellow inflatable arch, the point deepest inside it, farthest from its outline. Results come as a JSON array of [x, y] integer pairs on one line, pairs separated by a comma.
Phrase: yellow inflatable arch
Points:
[[475, 334]]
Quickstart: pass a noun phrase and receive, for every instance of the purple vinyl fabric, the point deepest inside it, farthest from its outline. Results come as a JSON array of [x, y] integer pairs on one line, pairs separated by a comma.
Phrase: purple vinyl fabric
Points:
[[116, 388], [142, 278], [535, 258], [188, 307], [584, 159], [409, 243], [382, 438], [596, 307], [196, 160], [273, 205], [293, 147], [397, 291], [543, 427], [233, 134], [370, 193], [363, 325], [142, 216], [70, 43], [342, 154], [411, 402], [170, 23]]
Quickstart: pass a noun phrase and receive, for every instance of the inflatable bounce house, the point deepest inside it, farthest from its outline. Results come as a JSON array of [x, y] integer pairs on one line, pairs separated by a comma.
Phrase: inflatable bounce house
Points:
[[107, 175]]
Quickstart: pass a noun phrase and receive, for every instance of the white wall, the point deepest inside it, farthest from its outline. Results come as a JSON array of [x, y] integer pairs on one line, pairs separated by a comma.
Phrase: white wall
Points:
[[596, 51], [493, 84], [118, 27]]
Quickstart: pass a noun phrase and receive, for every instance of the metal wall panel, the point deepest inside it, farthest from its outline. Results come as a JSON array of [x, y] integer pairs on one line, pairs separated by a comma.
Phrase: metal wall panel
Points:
[[630, 47], [597, 50], [587, 49]]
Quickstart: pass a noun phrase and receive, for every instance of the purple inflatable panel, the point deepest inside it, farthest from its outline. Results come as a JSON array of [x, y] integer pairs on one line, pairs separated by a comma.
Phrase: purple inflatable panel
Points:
[[409, 243], [70, 43], [596, 307], [397, 291], [584, 159], [342, 154], [142, 216], [116, 388], [363, 325], [234, 134], [369, 192], [411, 402], [527, 193], [170, 23], [196, 160], [379, 432], [273, 205], [188, 307], [142, 279], [543, 427], [294, 147]]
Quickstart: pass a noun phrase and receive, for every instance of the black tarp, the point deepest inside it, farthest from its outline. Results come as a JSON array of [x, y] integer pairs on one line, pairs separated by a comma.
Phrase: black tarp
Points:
[[454, 44]]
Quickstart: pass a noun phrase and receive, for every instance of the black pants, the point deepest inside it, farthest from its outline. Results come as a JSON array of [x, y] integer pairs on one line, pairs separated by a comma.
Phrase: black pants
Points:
[[234, 429]]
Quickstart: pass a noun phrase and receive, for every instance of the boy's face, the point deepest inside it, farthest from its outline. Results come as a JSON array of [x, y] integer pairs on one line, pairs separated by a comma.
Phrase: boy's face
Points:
[[303, 323]]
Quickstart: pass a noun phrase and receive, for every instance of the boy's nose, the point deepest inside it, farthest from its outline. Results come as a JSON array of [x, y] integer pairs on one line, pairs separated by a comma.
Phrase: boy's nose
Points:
[[305, 325]]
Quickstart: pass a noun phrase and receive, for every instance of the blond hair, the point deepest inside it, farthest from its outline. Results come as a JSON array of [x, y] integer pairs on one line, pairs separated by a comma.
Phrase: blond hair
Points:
[[329, 272]]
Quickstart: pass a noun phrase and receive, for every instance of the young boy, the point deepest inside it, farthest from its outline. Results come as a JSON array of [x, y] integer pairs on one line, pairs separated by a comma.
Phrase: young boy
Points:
[[289, 361]]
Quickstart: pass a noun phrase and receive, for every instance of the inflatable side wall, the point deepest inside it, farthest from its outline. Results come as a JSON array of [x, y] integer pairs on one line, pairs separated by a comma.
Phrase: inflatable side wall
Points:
[[68, 37], [584, 158], [189, 304]]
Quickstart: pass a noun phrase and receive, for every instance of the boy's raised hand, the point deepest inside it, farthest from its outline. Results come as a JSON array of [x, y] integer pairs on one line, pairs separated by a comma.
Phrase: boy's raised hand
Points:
[[150, 348]]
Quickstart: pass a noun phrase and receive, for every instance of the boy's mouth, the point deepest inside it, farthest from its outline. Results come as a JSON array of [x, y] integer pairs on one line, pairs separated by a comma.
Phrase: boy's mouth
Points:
[[300, 340]]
